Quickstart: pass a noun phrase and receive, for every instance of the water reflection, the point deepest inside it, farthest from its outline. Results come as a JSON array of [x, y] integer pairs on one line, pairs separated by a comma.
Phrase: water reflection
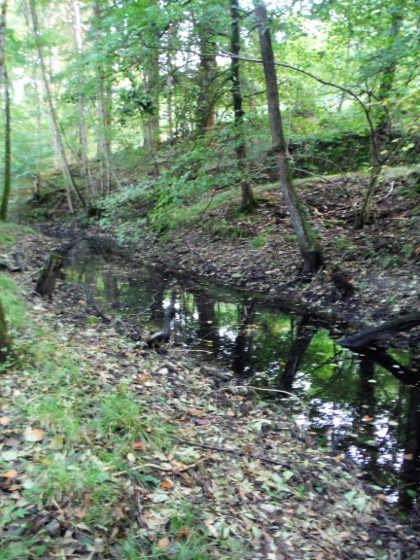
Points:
[[353, 403]]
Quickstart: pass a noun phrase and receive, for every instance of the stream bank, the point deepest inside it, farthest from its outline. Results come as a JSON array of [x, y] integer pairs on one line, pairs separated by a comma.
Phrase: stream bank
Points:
[[112, 449]]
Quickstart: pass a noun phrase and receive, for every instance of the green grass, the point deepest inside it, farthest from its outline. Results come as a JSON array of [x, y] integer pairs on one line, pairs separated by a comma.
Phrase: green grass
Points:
[[10, 233], [89, 431]]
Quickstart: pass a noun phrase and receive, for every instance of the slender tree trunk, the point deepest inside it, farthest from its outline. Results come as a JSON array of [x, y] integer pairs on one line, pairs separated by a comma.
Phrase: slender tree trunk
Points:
[[169, 85], [68, 179], [37, 178], [383, 126], [4, 337], [309, 247], [206, 80], [151, 70], [104, 152], [83, 143], [248, 200], [5, 79]]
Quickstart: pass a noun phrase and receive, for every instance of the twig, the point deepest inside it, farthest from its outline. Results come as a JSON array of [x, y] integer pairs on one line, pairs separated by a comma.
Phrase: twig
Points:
[[173, 470], [231, 451], [390, 190], [140, 520]]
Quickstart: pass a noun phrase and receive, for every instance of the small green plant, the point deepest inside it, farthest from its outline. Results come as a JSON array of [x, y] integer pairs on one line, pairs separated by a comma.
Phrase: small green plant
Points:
[[341, 243], [259, 241]]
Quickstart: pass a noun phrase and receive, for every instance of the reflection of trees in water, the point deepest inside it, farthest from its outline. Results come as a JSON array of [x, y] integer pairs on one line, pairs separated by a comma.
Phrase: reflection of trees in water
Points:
[[207, 330], [111, 288], [302, 338], [339, 383], [410, 469], [364, 415], [242, 350]]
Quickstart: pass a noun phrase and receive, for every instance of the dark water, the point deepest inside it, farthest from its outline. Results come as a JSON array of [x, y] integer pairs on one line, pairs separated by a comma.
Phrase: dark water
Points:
[[350, 404]]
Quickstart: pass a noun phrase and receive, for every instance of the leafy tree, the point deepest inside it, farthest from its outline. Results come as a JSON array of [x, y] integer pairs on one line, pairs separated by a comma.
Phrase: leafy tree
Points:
[[248, 200], [71, 186]]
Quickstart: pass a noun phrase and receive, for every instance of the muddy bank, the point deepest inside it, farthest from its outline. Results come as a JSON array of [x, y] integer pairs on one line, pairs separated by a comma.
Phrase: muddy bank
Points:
[[246, 466]]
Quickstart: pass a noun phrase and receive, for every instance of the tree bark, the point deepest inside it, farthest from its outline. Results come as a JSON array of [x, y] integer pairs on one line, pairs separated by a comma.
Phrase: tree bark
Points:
[[68, 178], [4, 336], [248, 200], [152, 79], [48, 278], [83, 142], [309, 247], [206, 80], [5, 79], [104, 151]]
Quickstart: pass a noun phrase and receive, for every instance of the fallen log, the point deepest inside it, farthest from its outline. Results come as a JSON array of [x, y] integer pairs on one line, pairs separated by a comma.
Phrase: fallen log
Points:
[[370, 337]]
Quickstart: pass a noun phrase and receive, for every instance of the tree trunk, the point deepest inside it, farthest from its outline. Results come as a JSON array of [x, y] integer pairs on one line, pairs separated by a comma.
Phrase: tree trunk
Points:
[[206, 78], [248, 200], [68, 179], [48, 278], [37, 178], [4, 337], [383, 133], [83, 143], [151, 71], [309, 247], [5, 79], [104, 152]]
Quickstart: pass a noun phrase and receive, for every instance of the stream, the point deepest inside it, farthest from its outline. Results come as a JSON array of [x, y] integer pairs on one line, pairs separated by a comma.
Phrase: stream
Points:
[[349, 404]]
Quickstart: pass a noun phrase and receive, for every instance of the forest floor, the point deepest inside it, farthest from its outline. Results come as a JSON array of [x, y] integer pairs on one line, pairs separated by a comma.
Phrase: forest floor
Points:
[[111, 450]]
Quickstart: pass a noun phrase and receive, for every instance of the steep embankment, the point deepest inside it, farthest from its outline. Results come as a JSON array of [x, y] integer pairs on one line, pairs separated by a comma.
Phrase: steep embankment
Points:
[[258, 252], [111, 450]]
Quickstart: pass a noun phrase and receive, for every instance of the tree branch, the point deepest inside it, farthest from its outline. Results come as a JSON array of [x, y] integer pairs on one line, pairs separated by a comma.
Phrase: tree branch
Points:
[[321, 81]]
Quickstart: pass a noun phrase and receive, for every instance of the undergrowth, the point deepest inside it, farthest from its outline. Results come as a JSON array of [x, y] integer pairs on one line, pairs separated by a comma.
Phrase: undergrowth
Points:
[[76, 434]]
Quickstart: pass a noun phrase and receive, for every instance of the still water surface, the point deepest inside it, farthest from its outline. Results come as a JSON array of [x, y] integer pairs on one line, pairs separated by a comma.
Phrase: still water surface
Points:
[[350, 404]]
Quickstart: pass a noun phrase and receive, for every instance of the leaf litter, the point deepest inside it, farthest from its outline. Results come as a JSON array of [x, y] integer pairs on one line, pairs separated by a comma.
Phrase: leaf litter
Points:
[[112, 450]]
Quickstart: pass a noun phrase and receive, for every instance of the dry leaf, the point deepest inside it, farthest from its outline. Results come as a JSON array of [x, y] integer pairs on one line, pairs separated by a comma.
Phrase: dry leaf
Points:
[[195, 412], [34, 434], [9, 474], [163, 543]]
